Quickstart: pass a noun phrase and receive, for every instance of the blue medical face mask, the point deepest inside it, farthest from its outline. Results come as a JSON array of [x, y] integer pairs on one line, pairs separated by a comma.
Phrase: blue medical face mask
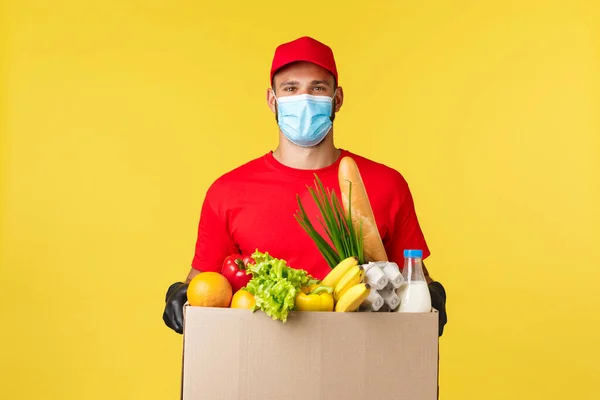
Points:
[[304, 119]]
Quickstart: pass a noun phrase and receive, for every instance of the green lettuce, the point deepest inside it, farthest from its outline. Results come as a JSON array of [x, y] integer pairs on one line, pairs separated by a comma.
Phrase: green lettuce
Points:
[[274, 285]]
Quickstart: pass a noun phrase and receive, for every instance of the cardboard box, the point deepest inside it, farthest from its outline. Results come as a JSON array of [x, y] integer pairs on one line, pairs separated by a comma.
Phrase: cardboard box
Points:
[[236, 354]]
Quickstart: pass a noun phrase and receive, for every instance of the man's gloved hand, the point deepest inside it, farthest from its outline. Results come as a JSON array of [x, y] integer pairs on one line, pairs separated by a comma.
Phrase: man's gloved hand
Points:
[[438, 301], [175, 299]]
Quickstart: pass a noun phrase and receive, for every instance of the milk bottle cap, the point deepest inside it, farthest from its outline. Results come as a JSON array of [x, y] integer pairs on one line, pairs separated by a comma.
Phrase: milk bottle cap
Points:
[[413, 253]]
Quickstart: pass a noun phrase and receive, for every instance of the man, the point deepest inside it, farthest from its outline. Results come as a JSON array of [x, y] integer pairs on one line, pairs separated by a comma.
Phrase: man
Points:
[[253, 206]]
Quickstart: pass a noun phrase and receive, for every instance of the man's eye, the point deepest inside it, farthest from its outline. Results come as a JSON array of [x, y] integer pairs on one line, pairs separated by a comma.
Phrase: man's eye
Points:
[[319, 88], [289, 89]]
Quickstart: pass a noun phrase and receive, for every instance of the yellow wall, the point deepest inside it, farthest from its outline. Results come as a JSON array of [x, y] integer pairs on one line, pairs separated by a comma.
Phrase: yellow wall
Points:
[[117, 115]]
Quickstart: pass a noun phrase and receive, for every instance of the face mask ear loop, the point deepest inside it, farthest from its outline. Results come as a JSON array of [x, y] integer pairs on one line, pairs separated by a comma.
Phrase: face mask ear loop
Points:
[[276, 108], [332, 116]]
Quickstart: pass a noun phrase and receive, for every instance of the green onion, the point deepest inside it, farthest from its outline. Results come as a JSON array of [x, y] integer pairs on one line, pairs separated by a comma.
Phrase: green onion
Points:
[[344, 239]]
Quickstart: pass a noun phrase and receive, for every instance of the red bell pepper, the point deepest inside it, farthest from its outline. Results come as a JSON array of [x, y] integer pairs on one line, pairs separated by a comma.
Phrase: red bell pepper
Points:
[[234, 269]]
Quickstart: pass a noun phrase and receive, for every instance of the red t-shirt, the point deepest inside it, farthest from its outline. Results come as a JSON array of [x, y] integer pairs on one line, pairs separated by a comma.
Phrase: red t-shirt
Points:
[[253, 206]]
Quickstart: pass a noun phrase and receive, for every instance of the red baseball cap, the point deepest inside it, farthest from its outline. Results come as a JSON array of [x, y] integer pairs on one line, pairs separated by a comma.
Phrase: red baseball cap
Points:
[[304, 49]]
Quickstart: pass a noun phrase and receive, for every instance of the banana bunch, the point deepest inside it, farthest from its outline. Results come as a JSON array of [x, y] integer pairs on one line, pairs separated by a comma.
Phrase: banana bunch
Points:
[[349, 289]]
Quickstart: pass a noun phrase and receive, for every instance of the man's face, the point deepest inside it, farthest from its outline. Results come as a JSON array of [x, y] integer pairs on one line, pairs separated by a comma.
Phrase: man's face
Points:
[[304, 78]]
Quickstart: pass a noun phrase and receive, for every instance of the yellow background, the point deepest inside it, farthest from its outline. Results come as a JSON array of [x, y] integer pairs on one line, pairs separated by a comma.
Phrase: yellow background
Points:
[[117, 115]]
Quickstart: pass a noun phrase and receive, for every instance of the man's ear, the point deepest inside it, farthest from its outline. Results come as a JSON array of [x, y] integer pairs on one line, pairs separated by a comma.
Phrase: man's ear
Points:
[[271, 100], [339, 98]]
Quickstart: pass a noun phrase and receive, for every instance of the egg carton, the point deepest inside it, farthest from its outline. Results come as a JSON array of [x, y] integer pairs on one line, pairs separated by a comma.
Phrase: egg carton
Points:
[[384, 278]]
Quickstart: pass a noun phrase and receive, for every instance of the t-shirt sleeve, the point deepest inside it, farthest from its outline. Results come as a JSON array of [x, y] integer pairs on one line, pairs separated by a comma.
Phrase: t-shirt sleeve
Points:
[[407, 233], [214, 243]]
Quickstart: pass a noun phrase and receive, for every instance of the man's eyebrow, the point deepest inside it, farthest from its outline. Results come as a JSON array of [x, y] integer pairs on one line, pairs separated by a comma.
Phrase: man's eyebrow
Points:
[[296, 83], [288, 83]]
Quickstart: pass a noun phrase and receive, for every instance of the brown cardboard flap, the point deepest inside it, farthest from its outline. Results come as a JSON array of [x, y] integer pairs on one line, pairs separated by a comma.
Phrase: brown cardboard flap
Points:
[[237, 354]]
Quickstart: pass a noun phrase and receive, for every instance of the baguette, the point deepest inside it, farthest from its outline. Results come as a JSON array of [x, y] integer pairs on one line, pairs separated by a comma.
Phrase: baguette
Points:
[[348, 172]]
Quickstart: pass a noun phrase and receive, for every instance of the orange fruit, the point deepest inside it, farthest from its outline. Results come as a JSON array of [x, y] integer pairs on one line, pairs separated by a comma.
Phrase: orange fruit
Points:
[[243, 299], [209, 289]]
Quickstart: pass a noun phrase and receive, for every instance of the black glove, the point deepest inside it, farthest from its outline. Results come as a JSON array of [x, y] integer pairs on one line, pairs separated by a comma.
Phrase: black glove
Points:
[[438, 301], [175, 299]]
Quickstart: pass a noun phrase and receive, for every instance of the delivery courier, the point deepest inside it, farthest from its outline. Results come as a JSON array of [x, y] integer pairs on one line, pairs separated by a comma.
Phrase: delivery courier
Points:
[[308, 226]]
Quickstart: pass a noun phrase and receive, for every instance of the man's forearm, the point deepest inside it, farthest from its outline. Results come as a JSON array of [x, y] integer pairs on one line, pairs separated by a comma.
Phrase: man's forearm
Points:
[[426, 273], [191, 275]]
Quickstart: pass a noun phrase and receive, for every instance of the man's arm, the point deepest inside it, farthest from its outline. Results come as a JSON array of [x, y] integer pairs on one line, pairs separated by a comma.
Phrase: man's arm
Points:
[[213, 244], [192, 274], [407, 234], [426, 272]]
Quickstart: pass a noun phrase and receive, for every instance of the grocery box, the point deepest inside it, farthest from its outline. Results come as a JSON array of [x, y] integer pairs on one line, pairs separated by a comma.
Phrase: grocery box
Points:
[[238, 354]]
